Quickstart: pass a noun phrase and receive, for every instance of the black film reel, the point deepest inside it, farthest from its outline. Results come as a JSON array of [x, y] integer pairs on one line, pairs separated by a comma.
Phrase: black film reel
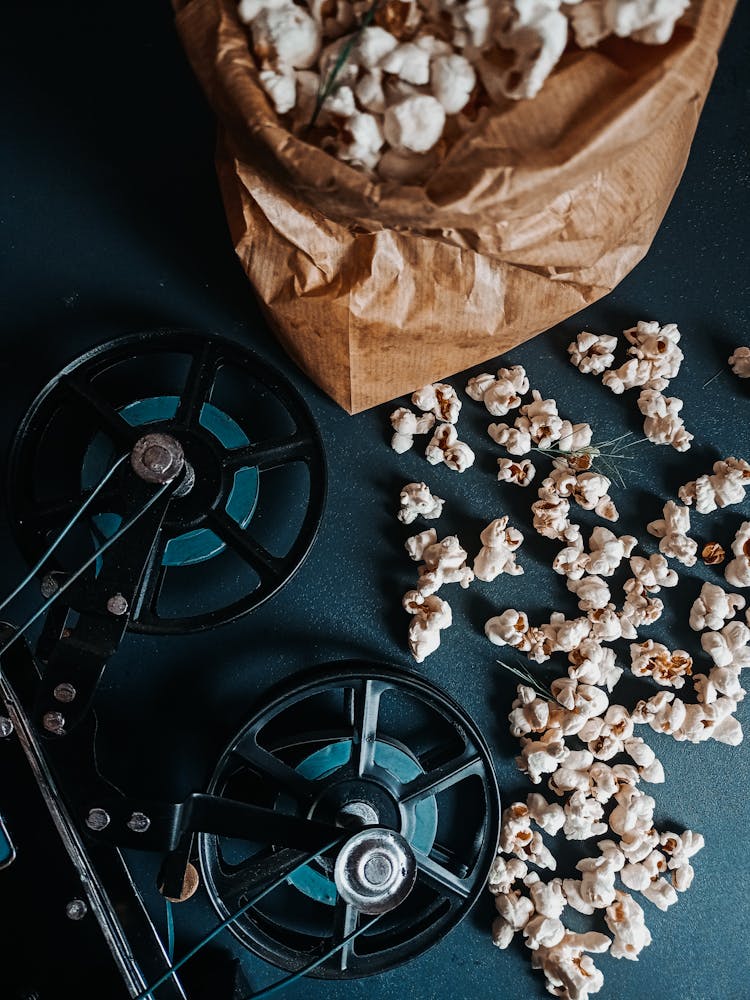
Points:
[[371, 744], [254, 510]]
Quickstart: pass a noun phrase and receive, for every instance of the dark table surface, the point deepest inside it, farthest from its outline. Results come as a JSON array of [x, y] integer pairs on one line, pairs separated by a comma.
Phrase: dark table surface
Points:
[[111, 222]]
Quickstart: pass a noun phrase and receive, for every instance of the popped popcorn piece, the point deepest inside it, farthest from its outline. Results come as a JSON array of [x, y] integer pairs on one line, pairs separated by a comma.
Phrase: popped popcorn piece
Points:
[[430, 616], [284, 35], [551, 514], [443, 561], [595, 890], [280, 87], [360, 140], [406, 424], [567, 635], [653, 573], [719, 681], [592, 353], [740, 362], [416, 500], [663, 423], [652, 659], [605, 736], [572, 560], [444, 446], [679, 848], [606, 551], [502, 394], [439, 399], [592, 663], [606, 623], [738, 570], [626, 921], [519, 473], [504, 872], [409, 62], [649, 766], [592, 592], [551, 818], [508, 629], [673, 531], [478, 385], [573, 773], [415, 124], [726, 486], [646, 20], [542, 756], [640, 608], [516, 440], [574, 437], [541, 419], [654, 358], [645, 877], [514, 912], [712, 554], [729, 645], [586, 700], [548, 897], [570, 973], [453, 79], [713, 607], [583, 817], [530, 713], [499, 544], [537, 32], [517, 837]]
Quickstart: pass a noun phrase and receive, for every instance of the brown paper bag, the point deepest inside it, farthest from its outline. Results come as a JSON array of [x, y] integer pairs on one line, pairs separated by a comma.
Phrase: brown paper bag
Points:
[[375, 289]]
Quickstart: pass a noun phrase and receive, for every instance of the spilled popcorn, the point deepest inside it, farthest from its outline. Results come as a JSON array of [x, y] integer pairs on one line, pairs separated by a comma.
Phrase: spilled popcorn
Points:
[[578, 746]]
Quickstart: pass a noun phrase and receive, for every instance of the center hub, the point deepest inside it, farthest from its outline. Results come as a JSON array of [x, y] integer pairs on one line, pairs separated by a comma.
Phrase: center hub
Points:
[[375, 870]]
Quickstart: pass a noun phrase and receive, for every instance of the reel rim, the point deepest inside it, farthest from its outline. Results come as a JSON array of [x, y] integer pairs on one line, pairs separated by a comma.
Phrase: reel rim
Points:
[[304, 685], [102, 357]]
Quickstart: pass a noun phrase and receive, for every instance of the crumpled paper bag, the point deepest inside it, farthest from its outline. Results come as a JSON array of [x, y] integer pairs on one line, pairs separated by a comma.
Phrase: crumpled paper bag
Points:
[[376, 288]]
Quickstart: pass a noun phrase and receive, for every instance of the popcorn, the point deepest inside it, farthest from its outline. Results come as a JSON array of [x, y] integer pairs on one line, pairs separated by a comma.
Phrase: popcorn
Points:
[[568, 970], [530, 713], [508, 629], [713, 607], [542, 756], [586, 700], [452, 78], [592, 353], [439, 399], [737, 572], [727, 485], [416, 500], [551, 514], [406, 424], [672, 530], [652, 659], [504, 872], [679, 848], [645, 877], [596, 889], [592, 663], [551, 818], [582, 817], [537, 33], [514, 912], [653, 573], [740, 362], [431, 615], [516, 837], [499, 544], [501, 394], [443, 561], [445, 447], [516, 440], [541, 419], [663, 424], [284, 35], [626, 921], [712, 554], [592, 592], [605, 736], [654, 358], [606, 551], [728, 646], [519, 473], [639, 608], [415, 124]]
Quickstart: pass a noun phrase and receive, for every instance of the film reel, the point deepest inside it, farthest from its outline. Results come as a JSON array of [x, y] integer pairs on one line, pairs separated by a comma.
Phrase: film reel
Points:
[[253, 509], [378, 751]]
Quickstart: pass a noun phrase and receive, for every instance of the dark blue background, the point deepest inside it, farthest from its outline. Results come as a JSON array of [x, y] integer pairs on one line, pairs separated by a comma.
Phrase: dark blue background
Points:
[[112, 222]]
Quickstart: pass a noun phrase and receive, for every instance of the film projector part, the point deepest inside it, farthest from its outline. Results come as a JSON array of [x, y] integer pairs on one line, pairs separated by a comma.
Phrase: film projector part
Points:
[[351, 823]]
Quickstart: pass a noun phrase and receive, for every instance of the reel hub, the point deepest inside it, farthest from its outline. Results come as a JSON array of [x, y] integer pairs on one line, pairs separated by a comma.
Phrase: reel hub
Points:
[[375, 871]]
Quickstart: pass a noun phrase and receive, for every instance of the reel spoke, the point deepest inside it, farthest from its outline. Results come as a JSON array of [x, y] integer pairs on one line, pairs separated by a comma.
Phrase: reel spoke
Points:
[[365, 705], [152, 580], [269, 568], [237, 882], [270, 454], [439, 778], [437, 876], [80, 390], [200, 381], [345, 921], [272, 768]]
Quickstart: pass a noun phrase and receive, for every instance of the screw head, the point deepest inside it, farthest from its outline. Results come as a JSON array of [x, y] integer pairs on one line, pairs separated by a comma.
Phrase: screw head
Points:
[[138, 822], [54, 722], [6, 726], [157, 458], [64, 692], [48, 585], [117, 605], [76, 909], [97, 819]]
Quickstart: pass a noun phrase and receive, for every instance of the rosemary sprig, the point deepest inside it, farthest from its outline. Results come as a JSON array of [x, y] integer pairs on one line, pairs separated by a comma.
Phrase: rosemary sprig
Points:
[[524, 674], [341, 60]]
